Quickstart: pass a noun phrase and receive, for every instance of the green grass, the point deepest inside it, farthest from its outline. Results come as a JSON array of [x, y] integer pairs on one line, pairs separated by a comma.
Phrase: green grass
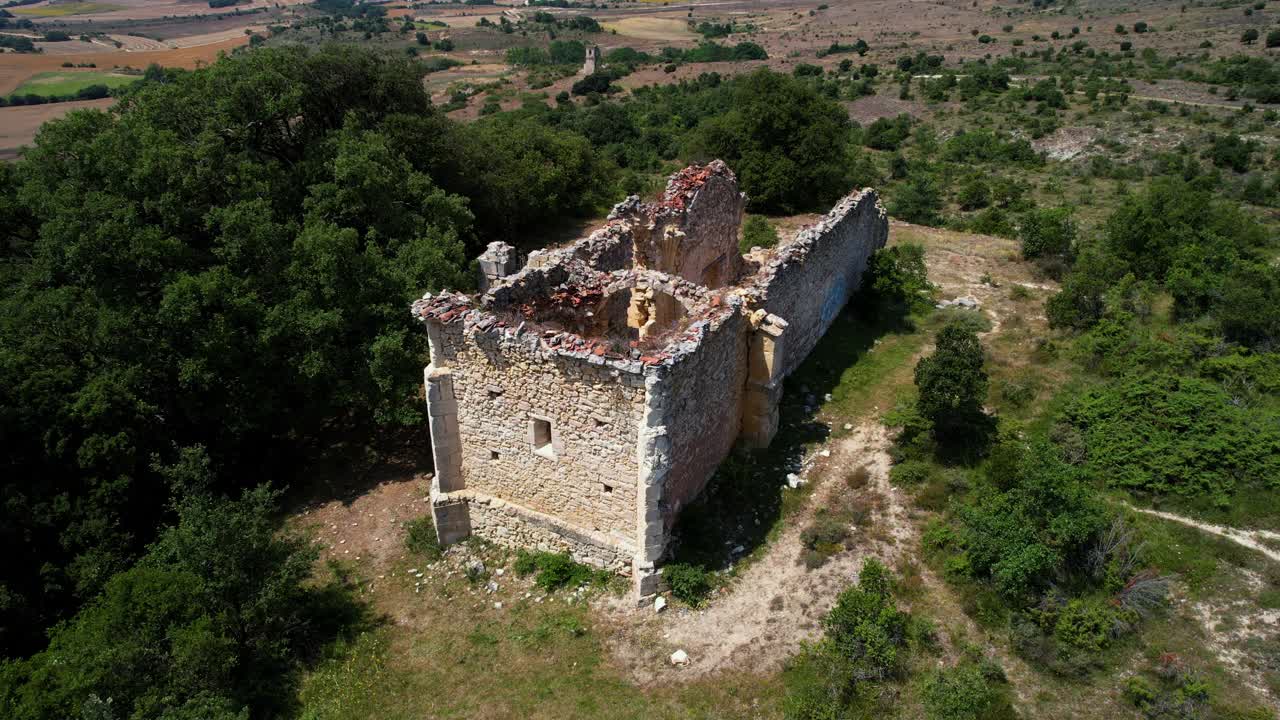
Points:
[[448, 657], [65, 9], [61, 84]]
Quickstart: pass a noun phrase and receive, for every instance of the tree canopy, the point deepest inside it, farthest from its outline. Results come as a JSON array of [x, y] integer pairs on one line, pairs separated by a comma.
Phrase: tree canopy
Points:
[[225, 260]]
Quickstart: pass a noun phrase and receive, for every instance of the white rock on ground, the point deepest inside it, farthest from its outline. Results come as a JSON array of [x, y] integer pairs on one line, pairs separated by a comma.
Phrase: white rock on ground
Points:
[[680, 657], [659, 604]]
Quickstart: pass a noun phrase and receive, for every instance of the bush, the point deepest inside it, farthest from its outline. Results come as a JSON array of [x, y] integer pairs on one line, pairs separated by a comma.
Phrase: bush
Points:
[[911, 472], [555, 570], [420, 538], [1165, 434], [1085, 625], [825, 533], [598, 82], [689, 583], [757, 231], [962, 692], [896, 278], [1047, 232]]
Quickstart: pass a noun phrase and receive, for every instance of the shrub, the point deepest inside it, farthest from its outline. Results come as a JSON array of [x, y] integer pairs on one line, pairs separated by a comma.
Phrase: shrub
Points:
[[554, 570], [420, 537], [688, 583], [1166, 434], [911, 472], [1085, 624], [960, 693], [757, 231], [865, 628], [896, 278], [526, 563], [825, 533]]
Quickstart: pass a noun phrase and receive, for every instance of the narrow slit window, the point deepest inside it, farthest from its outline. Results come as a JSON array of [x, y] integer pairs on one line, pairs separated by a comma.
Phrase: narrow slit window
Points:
[[542, 444]]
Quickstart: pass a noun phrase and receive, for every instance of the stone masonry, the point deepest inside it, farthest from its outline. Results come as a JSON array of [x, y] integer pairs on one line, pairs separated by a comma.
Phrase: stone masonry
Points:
[[580, 402]]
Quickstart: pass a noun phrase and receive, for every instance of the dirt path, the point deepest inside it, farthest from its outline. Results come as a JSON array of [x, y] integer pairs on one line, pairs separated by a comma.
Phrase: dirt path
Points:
[[777, 603], [1252, 539]]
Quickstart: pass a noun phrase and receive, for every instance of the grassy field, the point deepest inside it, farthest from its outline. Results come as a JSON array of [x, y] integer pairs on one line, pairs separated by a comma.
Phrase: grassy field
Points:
[[65, 9], [58, 84]]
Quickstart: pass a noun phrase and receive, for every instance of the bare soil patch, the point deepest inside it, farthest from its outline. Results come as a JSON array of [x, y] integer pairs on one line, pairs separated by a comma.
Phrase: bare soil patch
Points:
[[777, 603], [18, 125]]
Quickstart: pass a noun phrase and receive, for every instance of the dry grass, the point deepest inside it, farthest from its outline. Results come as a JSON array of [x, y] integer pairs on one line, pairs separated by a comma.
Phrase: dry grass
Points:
[[652, 28]]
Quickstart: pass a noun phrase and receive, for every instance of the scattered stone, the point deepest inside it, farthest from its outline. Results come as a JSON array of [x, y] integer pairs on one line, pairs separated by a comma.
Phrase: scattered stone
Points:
[[794, 481], [659, 604], [966, 302], [475, 567], [497, 606], [680, 658], [499, 572], [848, 426], [825, 453]]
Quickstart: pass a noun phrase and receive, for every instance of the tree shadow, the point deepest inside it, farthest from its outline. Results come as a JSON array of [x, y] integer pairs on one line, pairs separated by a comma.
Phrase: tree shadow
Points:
[[749, 493], [352, 464]]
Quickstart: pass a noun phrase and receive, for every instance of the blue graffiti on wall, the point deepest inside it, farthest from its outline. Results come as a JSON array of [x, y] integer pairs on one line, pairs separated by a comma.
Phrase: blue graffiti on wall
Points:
[[834, 300]]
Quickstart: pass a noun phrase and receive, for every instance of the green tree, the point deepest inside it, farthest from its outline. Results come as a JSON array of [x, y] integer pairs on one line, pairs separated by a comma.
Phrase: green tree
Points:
[[213, 622], [1249, 37], [918, 200], [952, 382], [1047, 232], [785, 141], [223, 259]]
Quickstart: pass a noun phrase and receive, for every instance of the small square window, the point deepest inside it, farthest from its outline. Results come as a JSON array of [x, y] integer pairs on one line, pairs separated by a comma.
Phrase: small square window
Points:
[[542, 438], [493, 454], [608, 489]]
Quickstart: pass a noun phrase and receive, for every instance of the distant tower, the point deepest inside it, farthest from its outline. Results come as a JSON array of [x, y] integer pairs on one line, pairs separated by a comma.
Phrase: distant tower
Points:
[[592, 61]]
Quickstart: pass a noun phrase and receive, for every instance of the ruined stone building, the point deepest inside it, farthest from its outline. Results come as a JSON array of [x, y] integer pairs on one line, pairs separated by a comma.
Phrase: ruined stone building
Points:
[[581, 401], [592, 61]]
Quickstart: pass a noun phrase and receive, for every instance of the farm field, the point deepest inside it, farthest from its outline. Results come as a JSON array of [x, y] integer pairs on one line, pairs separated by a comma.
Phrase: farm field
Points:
[[65, 9], [57, 84], [16, 68], [19, 125]]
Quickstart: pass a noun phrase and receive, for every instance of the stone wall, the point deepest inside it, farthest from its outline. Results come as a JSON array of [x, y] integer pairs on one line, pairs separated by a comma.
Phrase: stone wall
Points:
[[809, 280], [702, 395], [517, 527], [586, 473], [693, 232]]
